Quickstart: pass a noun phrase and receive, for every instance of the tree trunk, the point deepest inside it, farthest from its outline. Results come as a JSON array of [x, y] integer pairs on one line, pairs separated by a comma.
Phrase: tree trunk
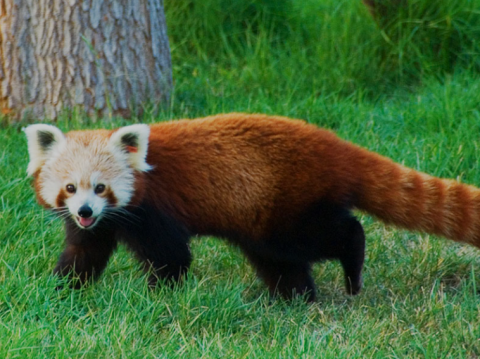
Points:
[[107, 57]]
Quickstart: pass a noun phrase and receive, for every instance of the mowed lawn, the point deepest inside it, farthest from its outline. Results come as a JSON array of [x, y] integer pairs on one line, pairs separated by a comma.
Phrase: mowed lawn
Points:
[[410, 91]]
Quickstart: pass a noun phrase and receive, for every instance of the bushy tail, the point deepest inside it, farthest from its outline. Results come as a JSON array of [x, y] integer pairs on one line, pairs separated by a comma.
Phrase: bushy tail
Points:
[[417, 201]]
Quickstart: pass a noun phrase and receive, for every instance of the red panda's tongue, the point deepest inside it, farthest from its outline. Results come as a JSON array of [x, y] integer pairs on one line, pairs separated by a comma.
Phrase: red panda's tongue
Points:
[[86, 222]]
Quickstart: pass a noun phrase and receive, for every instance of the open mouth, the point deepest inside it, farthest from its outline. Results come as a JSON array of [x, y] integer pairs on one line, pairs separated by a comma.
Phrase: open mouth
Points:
[[86, 222]]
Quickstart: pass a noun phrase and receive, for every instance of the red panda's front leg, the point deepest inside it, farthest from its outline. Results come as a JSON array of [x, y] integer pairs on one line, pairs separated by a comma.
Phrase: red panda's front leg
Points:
[[86, 254], [159, 241]]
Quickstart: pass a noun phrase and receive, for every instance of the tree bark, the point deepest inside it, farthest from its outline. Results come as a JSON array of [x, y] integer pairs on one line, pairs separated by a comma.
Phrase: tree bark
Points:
[[107, 57]]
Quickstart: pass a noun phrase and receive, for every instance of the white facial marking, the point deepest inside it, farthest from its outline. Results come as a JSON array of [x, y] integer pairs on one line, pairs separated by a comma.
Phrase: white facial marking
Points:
[[43, 141], [131, 142], [85, 160], [95, 178], [86, 197]]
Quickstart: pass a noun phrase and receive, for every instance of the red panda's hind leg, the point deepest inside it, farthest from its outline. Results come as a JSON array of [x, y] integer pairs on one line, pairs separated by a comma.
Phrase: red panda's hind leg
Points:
[[324, 231], [86, 254], [159, 242], [330, 231], [353, 257], [286, 278]]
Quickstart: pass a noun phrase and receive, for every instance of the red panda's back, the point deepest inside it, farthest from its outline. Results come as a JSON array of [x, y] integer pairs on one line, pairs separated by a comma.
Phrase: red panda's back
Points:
[[240, 173]]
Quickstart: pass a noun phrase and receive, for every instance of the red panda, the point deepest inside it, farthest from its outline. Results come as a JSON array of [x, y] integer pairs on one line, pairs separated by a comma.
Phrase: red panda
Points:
[[280, 189]]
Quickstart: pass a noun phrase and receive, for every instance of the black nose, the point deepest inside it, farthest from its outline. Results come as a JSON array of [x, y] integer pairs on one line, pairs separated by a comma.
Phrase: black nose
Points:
[[85, 211]]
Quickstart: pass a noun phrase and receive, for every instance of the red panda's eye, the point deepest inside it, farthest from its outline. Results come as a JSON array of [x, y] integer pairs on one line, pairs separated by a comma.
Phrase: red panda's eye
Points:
[[100, 188], [70, 188]]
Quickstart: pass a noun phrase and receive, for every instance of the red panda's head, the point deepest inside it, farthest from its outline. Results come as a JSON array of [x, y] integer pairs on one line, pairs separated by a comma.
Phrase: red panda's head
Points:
[[86, 174]]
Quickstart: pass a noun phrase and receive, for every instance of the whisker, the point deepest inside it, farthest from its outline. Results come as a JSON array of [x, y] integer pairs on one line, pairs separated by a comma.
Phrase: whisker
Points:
[[119, 217], [127, 214], [121, 210], [76, 229], [112, 214]]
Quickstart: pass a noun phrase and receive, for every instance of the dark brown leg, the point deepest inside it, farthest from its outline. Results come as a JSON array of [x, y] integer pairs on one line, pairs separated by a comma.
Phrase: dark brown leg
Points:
[[353, 257], [86, 254], [160, 243], [286, 278]]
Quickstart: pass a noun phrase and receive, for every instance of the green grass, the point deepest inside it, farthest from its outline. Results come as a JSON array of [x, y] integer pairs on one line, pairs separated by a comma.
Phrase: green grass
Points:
[[329, 63]]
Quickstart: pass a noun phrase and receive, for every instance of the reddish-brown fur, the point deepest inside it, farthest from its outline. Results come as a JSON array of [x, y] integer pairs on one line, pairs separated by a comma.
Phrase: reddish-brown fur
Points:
[[280, 189], [251, 173]]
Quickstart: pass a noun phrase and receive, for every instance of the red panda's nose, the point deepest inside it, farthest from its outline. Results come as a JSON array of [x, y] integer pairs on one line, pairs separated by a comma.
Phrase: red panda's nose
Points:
[[85, 211]]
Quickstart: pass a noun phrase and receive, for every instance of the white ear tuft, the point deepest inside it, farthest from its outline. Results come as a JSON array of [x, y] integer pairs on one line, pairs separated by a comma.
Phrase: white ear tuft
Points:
[[42, 140], [133, 140]]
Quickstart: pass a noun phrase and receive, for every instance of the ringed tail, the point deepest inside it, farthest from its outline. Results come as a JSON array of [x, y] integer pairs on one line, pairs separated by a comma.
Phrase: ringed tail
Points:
[[417, 201]]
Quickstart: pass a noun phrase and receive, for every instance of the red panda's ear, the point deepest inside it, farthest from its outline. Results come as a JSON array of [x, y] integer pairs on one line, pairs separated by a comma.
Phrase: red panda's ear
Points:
[[42, 141], [132, 140]]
